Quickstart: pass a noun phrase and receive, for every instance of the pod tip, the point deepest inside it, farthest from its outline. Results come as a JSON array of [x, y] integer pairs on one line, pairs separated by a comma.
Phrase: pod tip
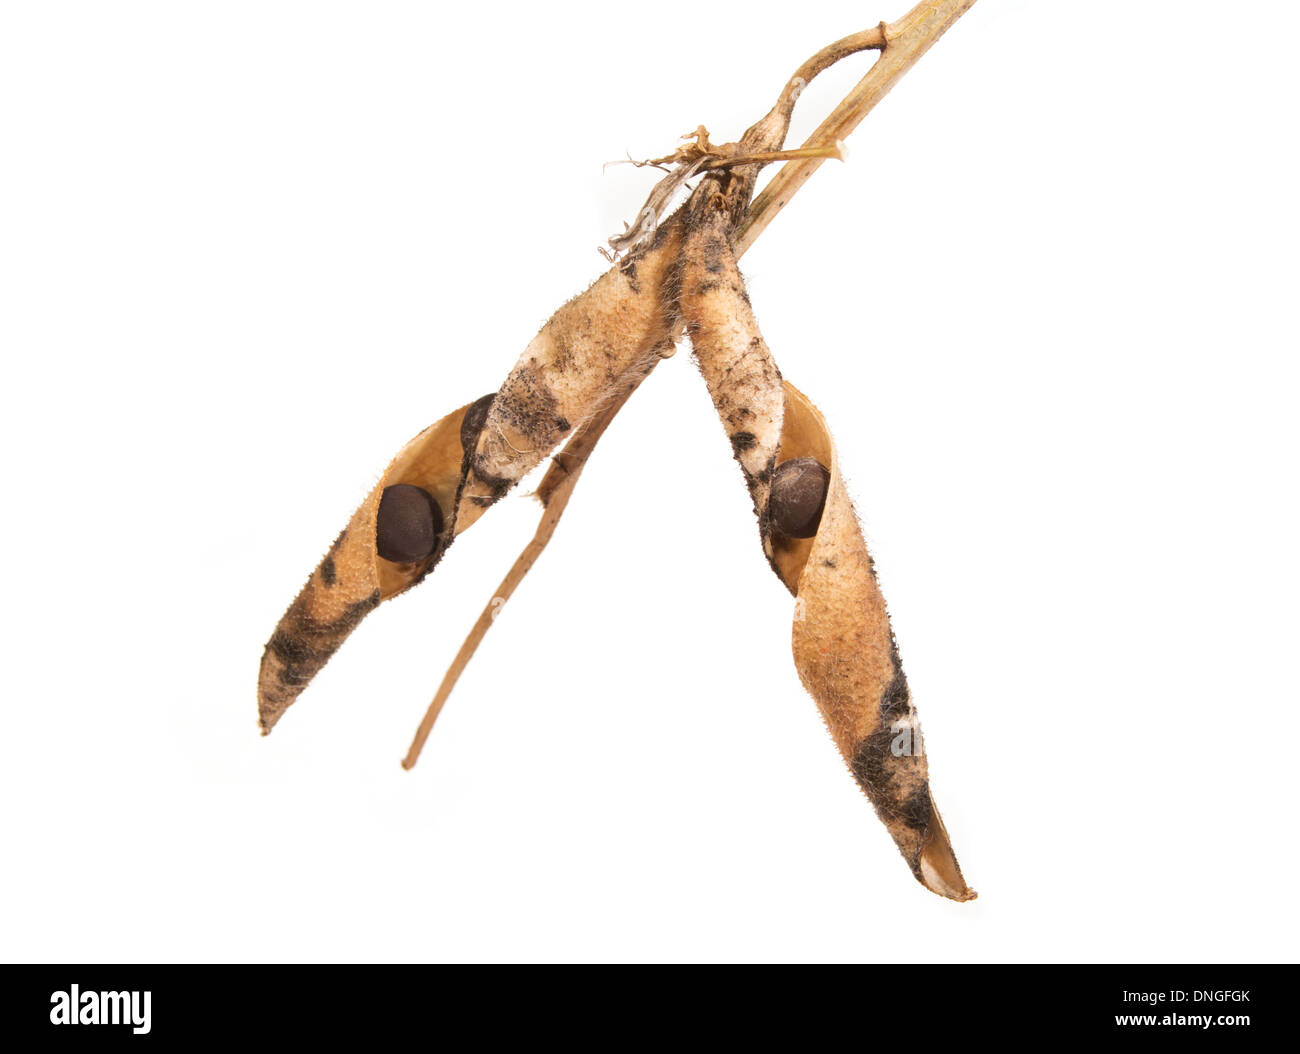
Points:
[[937, 866]]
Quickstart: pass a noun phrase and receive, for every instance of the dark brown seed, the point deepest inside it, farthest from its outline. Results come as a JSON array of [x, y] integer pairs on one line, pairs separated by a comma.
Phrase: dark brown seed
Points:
[[472, 423], [408, 524], [798, 496]]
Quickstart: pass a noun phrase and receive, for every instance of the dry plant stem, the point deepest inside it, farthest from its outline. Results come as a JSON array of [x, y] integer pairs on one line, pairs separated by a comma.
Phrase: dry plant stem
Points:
[[872, 39], [553, 492], [902, 43], [832, 152], [905, 41]]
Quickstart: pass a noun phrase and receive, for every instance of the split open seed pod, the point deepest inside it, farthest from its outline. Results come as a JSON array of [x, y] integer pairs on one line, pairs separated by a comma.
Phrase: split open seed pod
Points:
[[353, 578], [846, 657], [445, 478]]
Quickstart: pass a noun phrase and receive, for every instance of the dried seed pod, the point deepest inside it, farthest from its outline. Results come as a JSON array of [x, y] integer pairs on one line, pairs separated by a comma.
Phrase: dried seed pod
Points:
[[848, 660], [354, 577], [843, 645], [586, 355]]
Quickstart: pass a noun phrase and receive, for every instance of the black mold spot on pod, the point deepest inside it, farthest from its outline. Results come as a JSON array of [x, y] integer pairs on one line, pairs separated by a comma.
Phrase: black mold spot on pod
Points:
[[472, 423], [408, 524], [798, 496]]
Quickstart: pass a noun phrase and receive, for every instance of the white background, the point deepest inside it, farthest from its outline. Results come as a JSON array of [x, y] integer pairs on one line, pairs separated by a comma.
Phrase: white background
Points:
[[1048, 306]]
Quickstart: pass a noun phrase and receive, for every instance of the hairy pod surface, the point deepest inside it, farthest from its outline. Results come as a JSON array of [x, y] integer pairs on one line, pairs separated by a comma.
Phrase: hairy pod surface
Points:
[[843, 646], [738, 369], [590, 352], [572, 368], [847, 658], [353, 578]]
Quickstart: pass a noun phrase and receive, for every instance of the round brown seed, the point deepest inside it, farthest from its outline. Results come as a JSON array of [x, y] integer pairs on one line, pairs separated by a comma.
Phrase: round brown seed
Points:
[[798, 496], [472, 423], [408, 523]]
